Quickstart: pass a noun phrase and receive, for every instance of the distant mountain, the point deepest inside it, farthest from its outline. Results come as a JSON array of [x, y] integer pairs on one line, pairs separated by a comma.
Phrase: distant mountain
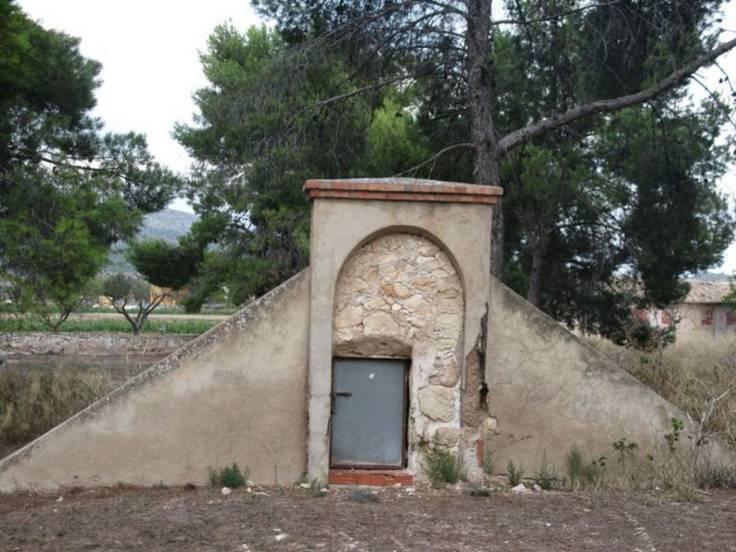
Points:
[[711, 277], [168, 225]]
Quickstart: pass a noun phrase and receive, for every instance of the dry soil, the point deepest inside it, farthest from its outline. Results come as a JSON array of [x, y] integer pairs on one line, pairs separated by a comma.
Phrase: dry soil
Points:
[[184, 519]]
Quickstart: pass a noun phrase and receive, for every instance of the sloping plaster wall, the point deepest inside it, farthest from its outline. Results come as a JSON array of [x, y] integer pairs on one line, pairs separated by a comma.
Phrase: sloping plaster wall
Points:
[[235, 394], [549, 390]]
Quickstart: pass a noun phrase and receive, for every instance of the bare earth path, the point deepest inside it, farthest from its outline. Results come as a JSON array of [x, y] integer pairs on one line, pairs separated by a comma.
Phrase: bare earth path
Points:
[[203, 519]]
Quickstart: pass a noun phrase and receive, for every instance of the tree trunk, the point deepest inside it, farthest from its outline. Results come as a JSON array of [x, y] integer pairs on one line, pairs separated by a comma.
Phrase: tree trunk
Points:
[[539, 251], [482, 130]]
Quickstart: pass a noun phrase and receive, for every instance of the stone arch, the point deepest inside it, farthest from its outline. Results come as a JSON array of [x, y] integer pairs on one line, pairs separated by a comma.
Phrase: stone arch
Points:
[[399, 295], [415, 231]]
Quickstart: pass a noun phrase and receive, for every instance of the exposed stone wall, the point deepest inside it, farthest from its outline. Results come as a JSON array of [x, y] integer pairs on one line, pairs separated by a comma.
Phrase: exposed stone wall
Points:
[[400, 296], [90, 343]]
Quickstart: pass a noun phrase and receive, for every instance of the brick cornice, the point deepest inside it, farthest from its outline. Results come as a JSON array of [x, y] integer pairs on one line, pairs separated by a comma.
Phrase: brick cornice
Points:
[[403, 189]]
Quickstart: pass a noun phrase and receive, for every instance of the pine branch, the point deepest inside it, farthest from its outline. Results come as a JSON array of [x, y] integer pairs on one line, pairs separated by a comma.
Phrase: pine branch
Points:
[[434, 157], [523, 135], [554, 16]]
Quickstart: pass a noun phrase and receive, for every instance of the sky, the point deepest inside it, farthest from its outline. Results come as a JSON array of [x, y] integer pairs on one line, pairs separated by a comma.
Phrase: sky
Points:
[[149, 50]]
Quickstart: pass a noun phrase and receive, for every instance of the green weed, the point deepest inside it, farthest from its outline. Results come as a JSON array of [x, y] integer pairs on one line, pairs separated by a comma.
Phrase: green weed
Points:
[[515, 474], [582, 473], [546, 477], [442, 466], [229, 476]]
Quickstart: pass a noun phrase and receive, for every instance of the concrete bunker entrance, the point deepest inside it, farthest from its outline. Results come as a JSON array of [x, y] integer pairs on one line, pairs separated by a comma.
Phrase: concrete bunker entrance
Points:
[[398, 317], [392, 276]]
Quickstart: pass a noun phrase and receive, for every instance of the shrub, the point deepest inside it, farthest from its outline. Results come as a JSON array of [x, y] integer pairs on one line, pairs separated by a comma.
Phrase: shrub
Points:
[[625, 449], [442, 466], [721, 477], [582, 473], [34, 401], [229, 476], [674, 435], [546, 477], [488, 464], [515, 474]]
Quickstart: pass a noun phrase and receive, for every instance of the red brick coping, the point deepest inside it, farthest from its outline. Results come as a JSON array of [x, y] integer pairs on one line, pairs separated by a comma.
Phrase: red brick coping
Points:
[[403, 189], [373, 478]]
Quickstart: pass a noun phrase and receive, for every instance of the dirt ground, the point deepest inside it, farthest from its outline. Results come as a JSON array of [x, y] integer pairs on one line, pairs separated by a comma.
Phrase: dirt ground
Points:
[[293, 519]]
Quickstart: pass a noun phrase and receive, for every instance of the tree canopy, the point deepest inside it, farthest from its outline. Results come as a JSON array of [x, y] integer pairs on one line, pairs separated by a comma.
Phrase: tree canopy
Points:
[[578, 109], [67, 190]]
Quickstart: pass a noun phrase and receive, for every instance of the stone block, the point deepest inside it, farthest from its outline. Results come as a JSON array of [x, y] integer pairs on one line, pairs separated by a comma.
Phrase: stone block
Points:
[[437, 403]]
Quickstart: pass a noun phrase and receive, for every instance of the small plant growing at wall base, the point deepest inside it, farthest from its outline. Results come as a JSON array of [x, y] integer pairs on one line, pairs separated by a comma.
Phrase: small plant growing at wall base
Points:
[[515, 474], [582, 473], [625, 449], [488, 465], [443, 466], [595, 471], [317, 488], [546, 477], [575, 466], [229, 476]]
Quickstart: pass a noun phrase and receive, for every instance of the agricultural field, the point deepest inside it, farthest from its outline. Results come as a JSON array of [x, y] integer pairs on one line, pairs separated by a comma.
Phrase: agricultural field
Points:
[[99, 322]]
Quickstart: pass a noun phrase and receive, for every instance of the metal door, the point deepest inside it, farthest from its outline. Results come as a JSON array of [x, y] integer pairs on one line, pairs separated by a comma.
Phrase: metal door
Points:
[[369, 413]]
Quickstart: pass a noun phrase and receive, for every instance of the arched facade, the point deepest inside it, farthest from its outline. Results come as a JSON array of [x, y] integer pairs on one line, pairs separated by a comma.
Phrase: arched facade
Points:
[[400, 296], [368, 236]]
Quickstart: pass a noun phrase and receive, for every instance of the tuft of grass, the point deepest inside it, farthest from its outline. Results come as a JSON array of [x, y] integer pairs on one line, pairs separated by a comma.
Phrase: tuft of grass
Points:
[[582, 473], [229, 476], [575, 467], [195, 327], [317, 488], [488, 464], [443, 466], [546, 477], [719, 477], [34, 401], [515, 474]]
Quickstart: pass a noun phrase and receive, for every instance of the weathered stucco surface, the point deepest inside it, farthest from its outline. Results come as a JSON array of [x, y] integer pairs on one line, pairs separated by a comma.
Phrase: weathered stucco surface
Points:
[[400, 296], [342, 226], [235, 394], [549, 391]]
